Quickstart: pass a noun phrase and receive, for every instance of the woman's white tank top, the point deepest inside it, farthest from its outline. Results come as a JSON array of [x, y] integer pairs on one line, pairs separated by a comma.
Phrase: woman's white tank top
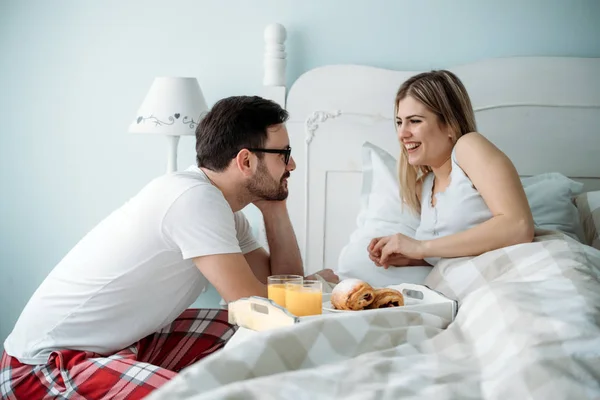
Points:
[[457, 208]]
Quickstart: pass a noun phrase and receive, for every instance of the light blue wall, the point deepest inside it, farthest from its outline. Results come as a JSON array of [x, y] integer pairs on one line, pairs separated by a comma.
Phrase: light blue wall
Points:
[[72, 74]]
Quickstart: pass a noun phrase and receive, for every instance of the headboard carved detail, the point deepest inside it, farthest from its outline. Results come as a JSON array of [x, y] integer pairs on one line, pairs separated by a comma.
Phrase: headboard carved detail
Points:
[[312, 122]]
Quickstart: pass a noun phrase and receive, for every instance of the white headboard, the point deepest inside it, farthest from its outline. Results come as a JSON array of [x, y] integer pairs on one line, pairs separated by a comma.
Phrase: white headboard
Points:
[[543, 112]]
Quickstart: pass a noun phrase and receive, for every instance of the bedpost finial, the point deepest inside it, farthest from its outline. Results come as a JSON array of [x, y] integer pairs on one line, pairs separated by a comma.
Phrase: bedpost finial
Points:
[[275, 34], [275, 56]]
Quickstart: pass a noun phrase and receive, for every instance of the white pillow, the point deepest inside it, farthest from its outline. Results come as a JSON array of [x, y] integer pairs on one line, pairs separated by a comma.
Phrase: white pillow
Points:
[[549, 195], [380, 195], [588, 205], [550, 198], [380, 214]]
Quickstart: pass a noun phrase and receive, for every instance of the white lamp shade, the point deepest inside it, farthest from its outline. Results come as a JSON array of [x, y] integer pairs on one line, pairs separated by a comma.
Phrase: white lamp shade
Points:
[[173, 106]]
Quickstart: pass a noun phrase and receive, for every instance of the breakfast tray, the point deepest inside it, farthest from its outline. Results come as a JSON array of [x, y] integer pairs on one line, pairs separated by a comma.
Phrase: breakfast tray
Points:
[[260, 314]]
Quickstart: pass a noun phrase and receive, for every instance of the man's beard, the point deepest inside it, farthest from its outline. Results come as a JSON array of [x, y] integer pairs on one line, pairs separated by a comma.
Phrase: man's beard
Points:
[[264, 187]]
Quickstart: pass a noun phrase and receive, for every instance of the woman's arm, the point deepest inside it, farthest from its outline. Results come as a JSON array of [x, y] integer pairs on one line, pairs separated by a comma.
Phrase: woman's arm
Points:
[[496, 179]]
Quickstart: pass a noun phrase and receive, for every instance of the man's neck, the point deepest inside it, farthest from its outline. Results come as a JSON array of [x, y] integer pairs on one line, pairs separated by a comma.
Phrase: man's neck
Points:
[[229, 187]]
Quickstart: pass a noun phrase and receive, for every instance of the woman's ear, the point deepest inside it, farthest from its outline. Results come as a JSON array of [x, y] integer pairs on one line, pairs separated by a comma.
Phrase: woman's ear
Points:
[[453, 136]]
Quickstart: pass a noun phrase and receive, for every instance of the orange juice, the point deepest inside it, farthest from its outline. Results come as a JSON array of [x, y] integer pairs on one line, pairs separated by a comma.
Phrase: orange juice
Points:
[[276, 287], [303, 301], [276, 292]]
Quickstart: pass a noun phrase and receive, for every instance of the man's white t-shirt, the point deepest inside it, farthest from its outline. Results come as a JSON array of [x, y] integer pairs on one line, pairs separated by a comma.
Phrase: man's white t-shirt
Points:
[[132, 274]]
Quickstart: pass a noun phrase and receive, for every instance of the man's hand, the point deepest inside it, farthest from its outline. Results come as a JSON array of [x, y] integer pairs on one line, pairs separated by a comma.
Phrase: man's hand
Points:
[[326, 274], [270, 205]]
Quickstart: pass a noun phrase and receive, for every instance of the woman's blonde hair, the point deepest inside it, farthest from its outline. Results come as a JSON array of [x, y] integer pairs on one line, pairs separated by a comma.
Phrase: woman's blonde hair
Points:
[[444, 95]]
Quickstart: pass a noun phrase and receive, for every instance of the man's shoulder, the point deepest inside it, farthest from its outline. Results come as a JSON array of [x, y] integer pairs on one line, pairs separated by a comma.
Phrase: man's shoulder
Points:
[[191, 179], [192, 176], [185, 189]]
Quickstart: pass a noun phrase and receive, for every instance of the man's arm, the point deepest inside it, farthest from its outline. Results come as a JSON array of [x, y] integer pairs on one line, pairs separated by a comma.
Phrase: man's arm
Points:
[[260, 262], [283, 246], [231, 276]]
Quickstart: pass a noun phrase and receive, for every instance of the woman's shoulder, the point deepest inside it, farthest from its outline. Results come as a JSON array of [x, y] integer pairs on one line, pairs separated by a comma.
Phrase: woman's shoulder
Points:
[[471, 140], [472, 147]]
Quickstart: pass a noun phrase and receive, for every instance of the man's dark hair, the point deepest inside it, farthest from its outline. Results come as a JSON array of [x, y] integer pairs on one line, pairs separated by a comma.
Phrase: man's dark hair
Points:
[[233, 124]]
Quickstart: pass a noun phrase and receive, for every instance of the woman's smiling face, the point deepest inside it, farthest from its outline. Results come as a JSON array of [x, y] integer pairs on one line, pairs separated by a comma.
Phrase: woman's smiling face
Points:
[[423, 138]]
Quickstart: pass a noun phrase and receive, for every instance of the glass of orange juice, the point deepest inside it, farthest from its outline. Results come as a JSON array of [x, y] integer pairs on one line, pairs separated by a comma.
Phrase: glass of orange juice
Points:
[[304, 298], [276, 286]]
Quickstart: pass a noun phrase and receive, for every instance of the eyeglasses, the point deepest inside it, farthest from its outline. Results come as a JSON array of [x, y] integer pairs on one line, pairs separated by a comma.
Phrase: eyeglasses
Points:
[[287, 152]]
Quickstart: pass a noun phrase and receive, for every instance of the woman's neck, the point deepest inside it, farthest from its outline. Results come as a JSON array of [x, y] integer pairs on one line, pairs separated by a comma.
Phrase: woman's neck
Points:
[[442, 172]]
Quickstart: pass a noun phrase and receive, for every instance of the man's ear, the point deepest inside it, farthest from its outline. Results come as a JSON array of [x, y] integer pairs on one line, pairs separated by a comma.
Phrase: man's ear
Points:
[[245, 162]]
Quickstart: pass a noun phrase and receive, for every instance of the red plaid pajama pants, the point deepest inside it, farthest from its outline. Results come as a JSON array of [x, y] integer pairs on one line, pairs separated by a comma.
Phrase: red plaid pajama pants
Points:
[[131, 373]]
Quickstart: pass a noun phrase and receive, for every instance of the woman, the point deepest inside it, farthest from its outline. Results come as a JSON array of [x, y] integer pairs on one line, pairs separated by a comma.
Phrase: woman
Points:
[[467, 191]]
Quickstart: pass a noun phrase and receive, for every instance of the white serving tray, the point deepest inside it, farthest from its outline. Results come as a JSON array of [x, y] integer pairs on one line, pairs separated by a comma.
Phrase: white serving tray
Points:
[[260, 314]]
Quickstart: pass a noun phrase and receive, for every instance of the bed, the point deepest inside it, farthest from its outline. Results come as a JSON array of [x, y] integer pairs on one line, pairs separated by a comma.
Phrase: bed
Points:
[[528, 323]]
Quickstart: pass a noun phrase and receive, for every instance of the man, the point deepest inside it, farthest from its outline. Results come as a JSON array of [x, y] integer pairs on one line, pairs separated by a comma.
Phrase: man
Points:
[[110, 320]]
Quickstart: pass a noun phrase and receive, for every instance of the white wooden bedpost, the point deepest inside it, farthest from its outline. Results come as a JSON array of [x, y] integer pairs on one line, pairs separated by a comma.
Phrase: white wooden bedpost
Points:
[[273, 83], [275, 63]]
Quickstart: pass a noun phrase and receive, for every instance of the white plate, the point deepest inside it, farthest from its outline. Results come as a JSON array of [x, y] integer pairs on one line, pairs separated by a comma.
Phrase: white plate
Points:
[[408, 301], [327, 306]]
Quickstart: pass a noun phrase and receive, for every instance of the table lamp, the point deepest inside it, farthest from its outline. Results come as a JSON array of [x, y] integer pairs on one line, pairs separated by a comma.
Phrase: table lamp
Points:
[[173, 107]]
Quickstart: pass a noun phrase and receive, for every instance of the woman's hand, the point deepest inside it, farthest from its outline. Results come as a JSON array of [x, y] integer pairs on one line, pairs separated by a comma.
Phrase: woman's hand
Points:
[[396, 249], [397, 260]]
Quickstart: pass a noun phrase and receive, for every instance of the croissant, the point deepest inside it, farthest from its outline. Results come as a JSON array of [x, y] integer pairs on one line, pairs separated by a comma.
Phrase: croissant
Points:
[[384, 298], [352, 294]]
